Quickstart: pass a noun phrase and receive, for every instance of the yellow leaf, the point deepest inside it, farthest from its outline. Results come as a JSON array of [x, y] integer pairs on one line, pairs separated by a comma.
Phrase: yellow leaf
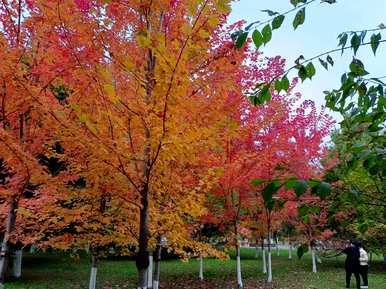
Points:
[[110, 91]]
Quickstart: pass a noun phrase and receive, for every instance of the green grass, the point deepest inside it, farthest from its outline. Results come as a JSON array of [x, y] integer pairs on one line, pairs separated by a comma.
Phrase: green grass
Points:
[[63, 272]]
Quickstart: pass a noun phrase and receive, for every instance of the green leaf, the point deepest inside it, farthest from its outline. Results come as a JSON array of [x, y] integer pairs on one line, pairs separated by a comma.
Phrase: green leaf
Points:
[[343, 40], [265, 94], [301, 187], [375, 38], [313, 183], [257, 182], [323, 189], [267, 33], [355, 43], [278, 85], [277, 22], [241, 39], [357, 67], [302, 73], [299, 18], [362, 89], [285, 83], [290, 184], [323, 63], [310, 68], [257, 38], [329, 60], [268, 193], [295, 2]]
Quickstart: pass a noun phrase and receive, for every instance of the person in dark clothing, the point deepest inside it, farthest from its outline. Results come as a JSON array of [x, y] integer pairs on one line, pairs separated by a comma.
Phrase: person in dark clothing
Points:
[[352, 264]]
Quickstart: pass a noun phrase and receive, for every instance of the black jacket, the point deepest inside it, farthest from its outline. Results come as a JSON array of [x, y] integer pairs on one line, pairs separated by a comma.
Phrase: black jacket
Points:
[[352, 259]]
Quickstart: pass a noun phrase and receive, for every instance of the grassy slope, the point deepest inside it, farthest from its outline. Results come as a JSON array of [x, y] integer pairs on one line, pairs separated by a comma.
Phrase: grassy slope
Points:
[[62, 272]]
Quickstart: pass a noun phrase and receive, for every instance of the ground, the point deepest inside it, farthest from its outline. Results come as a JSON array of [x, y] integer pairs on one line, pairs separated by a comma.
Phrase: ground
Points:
[[53, 271]]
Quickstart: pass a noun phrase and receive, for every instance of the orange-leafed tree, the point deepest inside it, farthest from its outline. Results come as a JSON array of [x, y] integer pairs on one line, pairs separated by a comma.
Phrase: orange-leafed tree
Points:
[[24, 132], [147, 83]]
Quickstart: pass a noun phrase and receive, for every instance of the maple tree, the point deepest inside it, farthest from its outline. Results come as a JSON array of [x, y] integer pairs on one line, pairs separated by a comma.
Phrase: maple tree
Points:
[[141, 116]]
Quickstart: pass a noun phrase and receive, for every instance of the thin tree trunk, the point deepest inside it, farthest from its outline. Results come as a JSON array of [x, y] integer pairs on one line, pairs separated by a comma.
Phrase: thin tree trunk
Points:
[[150, 271], [238, 266], [269, 279], [264, 263], [201, 272], [314, 270], [4, 253], [157, 267], [290, 251], [142, 260], [93, 274]]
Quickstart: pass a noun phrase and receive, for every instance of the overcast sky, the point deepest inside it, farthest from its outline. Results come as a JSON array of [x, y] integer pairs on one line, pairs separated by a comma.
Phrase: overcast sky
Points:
[[319, 34]]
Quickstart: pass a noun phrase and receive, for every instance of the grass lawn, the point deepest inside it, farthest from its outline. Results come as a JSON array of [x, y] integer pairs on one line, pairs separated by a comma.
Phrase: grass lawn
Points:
[[63, 272]]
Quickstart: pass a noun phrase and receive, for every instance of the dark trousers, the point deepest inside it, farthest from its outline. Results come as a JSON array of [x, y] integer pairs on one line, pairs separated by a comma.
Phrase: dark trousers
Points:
[[357, 278], [364, 270]]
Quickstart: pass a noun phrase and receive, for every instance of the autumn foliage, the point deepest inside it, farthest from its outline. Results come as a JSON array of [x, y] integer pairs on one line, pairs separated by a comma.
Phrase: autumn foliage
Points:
[[128, 120]]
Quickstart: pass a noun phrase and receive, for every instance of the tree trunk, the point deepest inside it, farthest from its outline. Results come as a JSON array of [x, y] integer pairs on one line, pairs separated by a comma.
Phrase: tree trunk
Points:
[[313, 259], [4, 253], [264, 263], [150, 271], [93, 274], [17, 256], [269, 279], [238, 267], [157, 267], [201, 272], [142, 260], [289, 248]]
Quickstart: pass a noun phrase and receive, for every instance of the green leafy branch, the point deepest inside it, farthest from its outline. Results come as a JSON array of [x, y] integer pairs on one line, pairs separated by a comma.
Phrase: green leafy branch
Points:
[[306, 69], [265, 35]]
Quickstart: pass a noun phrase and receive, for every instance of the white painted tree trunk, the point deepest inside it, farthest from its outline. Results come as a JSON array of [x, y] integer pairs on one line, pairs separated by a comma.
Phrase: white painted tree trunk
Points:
[[290, 251], [264, 263], [150, 272], [16, 263], [313, 260], [269, 279], [201, 271], [238, 268], [93, 274]]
